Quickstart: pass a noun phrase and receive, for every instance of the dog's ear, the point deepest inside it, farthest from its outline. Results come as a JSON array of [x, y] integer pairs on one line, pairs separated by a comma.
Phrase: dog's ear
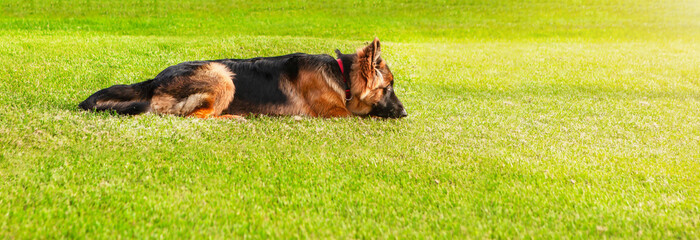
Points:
[[338, 53], [377, 50], [373, 50], [367, 59]]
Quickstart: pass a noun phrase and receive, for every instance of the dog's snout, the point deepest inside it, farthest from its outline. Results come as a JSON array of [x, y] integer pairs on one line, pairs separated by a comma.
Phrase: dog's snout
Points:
[[403, 113]]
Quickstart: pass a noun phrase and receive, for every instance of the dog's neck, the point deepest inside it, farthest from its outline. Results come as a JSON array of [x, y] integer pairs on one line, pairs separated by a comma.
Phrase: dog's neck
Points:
[[341, 64]]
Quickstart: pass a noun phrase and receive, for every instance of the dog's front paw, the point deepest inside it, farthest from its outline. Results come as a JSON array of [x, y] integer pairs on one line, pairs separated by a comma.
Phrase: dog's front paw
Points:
[[233, 117]]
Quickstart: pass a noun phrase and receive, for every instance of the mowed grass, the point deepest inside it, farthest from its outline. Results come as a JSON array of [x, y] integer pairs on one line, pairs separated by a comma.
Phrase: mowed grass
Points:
[[527, 119]]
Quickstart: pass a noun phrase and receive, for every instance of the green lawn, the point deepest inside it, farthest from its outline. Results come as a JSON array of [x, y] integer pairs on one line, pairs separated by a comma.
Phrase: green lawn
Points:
[[527, 119]]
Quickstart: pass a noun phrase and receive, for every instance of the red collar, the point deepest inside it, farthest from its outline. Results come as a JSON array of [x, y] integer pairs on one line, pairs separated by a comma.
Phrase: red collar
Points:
[[348, 95]]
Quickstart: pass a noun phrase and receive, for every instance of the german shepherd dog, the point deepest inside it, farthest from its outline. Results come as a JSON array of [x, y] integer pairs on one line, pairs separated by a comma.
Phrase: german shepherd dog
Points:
[[358, 84]]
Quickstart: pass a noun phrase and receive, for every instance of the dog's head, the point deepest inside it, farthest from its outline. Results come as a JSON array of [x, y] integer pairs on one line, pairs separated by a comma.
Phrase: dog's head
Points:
[[372, 84]]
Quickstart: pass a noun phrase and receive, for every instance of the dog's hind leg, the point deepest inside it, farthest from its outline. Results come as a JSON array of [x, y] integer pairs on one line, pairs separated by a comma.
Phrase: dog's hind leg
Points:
[[207, 92]]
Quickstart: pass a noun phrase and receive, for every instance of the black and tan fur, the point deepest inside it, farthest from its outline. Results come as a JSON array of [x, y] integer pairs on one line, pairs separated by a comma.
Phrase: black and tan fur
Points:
[[295, 84]]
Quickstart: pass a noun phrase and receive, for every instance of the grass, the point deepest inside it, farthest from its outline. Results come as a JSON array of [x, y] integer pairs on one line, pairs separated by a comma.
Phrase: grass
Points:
[[527, 119]]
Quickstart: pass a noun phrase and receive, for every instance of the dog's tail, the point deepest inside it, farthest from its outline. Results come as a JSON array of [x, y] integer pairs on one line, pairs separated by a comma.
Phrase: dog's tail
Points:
[[123, 99]]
